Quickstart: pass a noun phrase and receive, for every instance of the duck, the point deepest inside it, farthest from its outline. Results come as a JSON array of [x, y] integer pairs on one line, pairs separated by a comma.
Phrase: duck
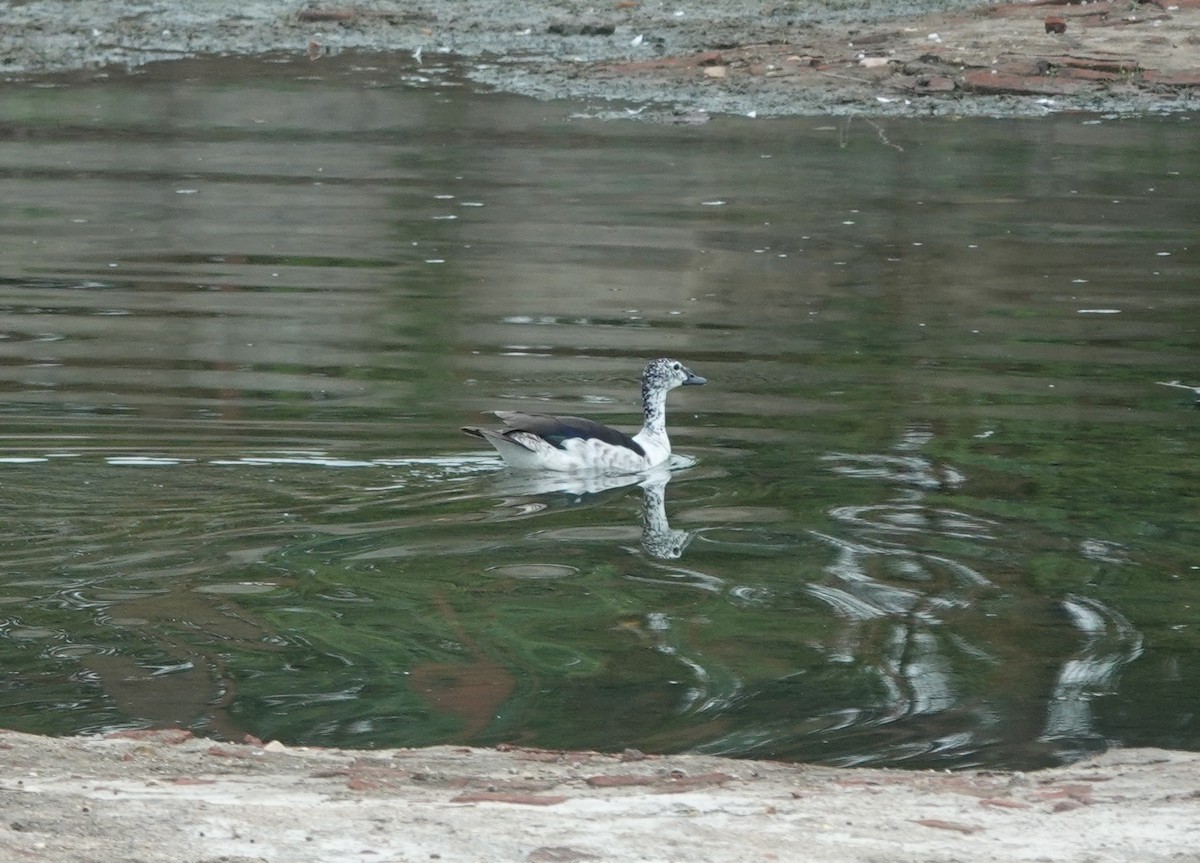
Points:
[[541, 442]]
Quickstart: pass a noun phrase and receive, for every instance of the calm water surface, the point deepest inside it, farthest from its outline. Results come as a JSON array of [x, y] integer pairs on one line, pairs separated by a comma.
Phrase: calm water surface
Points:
[[933, 507]]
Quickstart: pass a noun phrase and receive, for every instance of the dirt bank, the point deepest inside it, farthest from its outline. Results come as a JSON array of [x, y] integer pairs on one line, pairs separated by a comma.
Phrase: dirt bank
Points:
[[683, 59], [159, 796]]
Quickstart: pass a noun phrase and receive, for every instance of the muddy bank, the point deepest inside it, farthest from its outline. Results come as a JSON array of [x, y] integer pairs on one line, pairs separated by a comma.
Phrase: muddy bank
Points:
[[684, 59], [165, 796]]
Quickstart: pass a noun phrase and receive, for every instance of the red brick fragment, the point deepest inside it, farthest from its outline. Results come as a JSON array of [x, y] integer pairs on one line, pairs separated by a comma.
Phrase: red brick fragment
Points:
[[1003, 803], [330, 773], [619, 781], [700, 780], [362, 783], [507, 797], [935, 84], [319, 15], [857, 783], [1073, 790], [226, 752], [1087, 75], [559, 854], [1099, 64], [1179, 79], [949, 825], [985, 81], [540, 755]]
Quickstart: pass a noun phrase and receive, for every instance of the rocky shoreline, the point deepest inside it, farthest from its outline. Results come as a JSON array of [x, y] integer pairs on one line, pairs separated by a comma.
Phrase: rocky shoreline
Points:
[[686, 60], [166, 796]]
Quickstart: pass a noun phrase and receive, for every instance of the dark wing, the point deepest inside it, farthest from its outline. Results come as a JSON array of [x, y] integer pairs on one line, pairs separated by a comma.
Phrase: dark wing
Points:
[[558, 430]]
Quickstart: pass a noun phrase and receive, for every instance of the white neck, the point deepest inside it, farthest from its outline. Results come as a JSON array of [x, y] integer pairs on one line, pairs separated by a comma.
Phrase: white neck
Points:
[[654, 422]]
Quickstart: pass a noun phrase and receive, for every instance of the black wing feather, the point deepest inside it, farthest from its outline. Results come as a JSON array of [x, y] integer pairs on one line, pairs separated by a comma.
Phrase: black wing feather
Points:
[[557, 430]]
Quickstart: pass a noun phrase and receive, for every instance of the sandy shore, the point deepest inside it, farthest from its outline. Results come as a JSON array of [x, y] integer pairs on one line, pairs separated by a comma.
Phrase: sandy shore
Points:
[[684, 59], [163, 796]]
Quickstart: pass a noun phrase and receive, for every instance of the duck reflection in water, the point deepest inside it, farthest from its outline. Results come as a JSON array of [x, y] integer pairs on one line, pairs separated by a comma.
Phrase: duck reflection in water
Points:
[[658, 538]]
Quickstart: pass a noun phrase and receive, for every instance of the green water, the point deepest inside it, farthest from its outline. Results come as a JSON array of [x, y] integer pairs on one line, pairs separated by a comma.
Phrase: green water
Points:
[[932, 509]]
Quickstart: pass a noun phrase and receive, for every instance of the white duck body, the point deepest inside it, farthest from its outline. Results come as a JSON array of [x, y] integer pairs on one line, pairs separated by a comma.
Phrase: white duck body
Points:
[[574, 444]]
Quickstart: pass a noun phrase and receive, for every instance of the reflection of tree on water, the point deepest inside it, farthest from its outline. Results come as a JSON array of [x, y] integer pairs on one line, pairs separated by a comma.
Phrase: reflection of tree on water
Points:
[[931, 648], [1110, 642], [917, 617]]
